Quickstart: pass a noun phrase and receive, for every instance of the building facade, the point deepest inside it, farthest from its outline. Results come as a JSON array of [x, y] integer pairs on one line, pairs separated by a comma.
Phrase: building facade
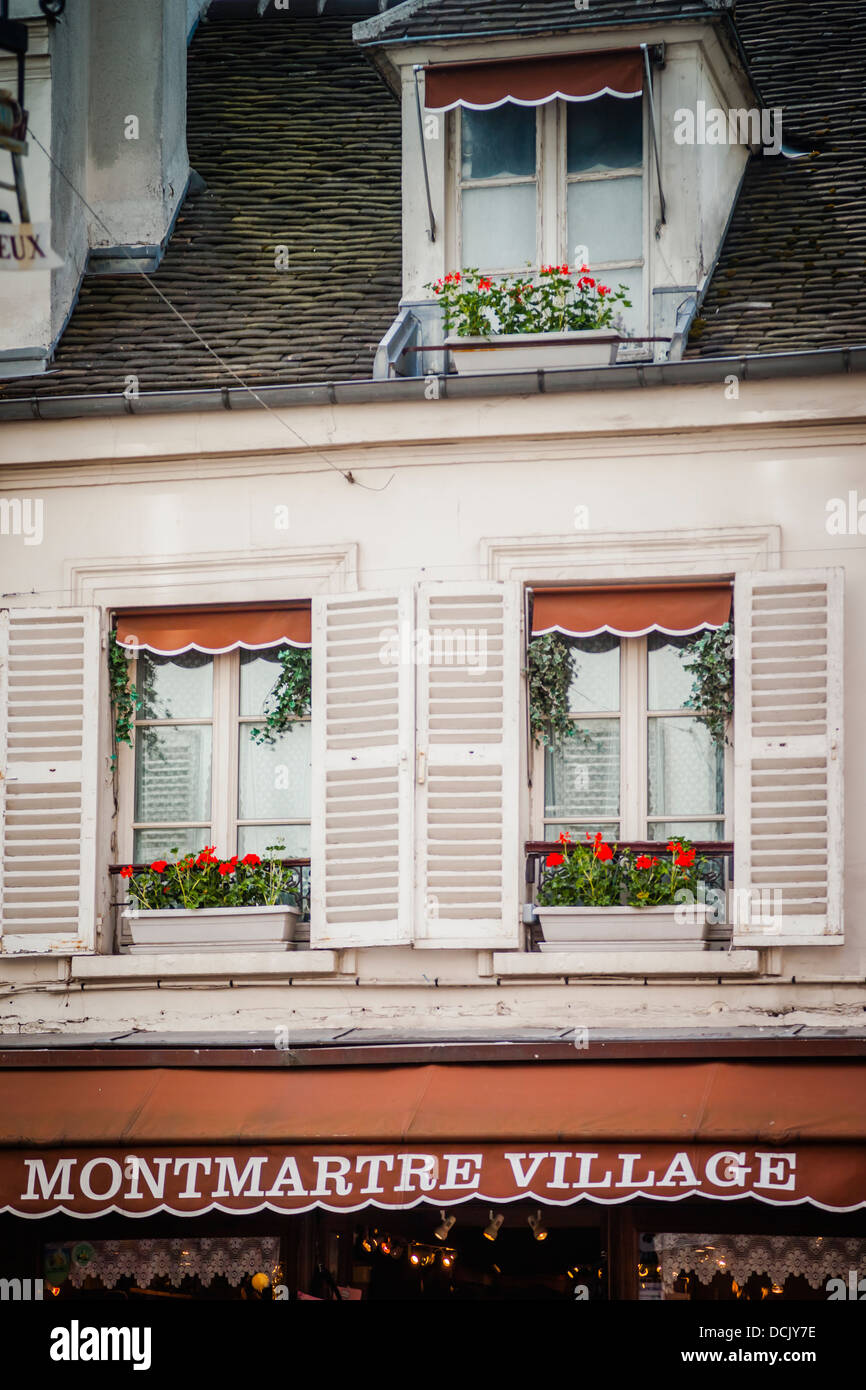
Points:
[[231, 429]]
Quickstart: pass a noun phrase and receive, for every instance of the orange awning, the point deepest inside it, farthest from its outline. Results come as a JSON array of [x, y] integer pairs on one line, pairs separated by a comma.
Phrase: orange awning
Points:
[[533, 81], [631, 610], [171, 631], [142, 1140]]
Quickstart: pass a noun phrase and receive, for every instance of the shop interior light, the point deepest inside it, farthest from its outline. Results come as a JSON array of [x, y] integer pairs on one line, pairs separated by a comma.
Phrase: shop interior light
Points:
[[385, 1245], [539, 1230], [491, 1230], [448, 1258], [441, 1231]]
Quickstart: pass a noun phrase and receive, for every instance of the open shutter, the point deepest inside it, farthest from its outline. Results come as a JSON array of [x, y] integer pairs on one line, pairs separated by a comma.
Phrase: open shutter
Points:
[[468, 766], [50, 699], [788, 758], [363, 730]]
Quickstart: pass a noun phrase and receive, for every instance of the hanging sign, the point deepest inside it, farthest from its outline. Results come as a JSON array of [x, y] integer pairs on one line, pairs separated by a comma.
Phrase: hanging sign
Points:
[[27, 246]]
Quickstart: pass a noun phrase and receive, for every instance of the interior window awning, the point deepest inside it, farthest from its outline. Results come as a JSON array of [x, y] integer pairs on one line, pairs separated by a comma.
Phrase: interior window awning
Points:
[[629, 610], [172, 631], [534, 81]]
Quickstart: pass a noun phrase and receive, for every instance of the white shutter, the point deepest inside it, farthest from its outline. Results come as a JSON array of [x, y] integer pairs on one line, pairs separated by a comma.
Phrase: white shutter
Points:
[[363, 728], [788, 757], [50, 664], [468, 766]]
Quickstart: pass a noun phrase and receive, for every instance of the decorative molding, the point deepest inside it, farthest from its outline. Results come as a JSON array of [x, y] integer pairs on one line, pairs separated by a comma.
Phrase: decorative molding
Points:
[[612, 555], [240, 576]]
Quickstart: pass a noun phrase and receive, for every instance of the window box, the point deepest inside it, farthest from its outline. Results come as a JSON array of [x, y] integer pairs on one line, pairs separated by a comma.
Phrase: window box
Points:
[[154, 931], [625, 928], [503, 352]]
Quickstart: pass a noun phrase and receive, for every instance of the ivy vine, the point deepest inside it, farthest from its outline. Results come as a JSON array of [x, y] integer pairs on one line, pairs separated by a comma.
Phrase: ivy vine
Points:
[[125, 699], [710, 661], [291, 696], [551, 669]]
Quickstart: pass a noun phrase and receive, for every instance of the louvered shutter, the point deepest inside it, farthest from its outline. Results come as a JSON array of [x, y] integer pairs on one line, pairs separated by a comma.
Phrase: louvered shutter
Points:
[[51, 663], [468, 766], [363, 728], [788, 757]]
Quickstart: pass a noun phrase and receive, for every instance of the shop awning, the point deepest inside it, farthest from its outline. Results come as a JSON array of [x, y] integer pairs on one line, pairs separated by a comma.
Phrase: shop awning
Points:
[[192, 1140], [629, 610], [172, 631], [533, 81]]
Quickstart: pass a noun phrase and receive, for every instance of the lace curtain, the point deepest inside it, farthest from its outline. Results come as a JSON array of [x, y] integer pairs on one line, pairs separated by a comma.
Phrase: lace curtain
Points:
[[815, 1258], [233, 1257]]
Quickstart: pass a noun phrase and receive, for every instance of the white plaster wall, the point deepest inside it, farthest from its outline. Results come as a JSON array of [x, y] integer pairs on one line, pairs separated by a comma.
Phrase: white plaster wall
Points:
[[457, 473]]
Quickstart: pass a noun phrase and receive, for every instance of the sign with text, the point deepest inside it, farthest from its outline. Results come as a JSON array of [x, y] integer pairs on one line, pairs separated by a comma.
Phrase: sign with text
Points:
[[190, 1181], [27, 246]]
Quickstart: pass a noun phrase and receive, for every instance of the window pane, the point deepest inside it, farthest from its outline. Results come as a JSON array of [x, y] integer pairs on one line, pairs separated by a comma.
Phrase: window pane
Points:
[[604, 215], [172, 773], [175, 687], [161, 844], [604, 134], [686, 769], [499, 227], [274, 779], [609, 830], [498, 143], [259, 672], [255, 839], [669, 682], [581, 775], [689, 830], [595, 686]]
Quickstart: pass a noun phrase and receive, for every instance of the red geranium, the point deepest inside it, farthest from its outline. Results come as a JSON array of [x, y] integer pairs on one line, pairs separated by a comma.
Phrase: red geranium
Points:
[[159, 865], [553, 861], [604, 852], [643, 861], [685, 859], [127, 872], [251, 861], [227, 868]]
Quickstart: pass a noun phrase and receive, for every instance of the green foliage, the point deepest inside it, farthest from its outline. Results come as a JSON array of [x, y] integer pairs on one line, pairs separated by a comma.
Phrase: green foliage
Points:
[[290, 698], [125, 699], [554, 301], [596, 874], [203, 880], [551, 669], [710, 661]]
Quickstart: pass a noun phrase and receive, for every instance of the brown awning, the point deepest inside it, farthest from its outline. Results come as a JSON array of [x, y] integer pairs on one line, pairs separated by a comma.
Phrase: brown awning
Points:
[[629, 610], [533, 81], [186, 1141], [171, 631]]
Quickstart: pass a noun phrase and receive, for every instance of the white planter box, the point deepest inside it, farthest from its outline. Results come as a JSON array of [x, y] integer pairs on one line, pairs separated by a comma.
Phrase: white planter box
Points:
[[624, 928], [211, 929], [591, 347]]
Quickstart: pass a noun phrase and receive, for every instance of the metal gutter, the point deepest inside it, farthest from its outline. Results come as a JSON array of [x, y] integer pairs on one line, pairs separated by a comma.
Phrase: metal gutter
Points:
[[695, 371], [139, 1052]]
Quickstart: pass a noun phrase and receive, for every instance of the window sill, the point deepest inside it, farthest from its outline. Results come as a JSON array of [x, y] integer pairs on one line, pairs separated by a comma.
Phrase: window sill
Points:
[[224, 965], [626, 964]]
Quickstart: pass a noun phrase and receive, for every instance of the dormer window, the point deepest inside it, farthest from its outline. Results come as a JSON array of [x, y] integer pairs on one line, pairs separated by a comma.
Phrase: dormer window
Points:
[[548, 155]]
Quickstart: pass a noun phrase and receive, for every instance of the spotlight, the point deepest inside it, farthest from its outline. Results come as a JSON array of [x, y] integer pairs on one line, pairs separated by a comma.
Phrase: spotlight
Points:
[[385, 1246], [448, 1258], [539, 1230], [491, 1230], [441, 1231], [414, 1257]]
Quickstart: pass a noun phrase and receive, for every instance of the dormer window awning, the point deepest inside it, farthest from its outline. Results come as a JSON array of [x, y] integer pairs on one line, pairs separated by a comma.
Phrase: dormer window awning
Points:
[[629, 610], [213, 631], [534, 81]]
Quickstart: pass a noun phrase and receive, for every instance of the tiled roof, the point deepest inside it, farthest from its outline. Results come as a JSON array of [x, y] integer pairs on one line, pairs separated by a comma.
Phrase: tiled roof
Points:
[[298, 140], [797, 241], [441, 18]]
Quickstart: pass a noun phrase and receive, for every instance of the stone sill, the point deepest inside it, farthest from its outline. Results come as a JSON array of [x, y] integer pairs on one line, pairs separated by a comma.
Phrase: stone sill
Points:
[[626, 964], [222, 965]]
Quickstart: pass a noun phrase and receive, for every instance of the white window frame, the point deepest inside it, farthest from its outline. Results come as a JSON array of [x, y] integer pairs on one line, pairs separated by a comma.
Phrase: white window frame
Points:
[[552, 182], [633, 715], [225, 823]]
